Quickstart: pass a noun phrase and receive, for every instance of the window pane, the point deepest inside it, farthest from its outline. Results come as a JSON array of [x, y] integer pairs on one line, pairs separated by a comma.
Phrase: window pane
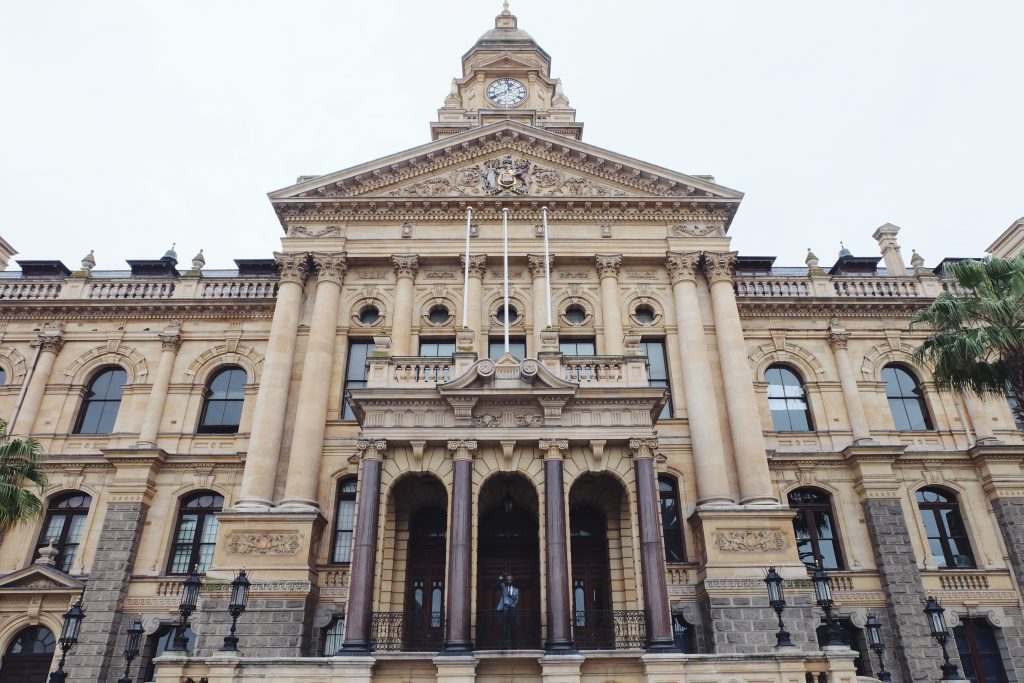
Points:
[[355, 373], [496, 347]]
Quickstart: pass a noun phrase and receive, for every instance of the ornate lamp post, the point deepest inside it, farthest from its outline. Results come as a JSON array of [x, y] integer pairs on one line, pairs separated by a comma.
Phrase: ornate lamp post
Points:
[[68, 638], [823, 595], [877, 645], [937, 624], [131, 648], [239, 596], [189, 599], [777, 601]]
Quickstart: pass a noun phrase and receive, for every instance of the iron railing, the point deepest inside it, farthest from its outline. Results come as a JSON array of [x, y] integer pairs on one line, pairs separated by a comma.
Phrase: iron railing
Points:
[[609, 629], [507, 630], [407, 632]]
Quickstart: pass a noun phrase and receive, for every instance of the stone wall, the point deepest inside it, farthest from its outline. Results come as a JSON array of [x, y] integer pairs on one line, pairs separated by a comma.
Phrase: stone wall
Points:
[[278, 627], [1010, 517], [745, 624]]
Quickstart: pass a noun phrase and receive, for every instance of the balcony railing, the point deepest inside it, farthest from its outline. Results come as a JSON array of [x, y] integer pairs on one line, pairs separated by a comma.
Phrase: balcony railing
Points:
[[610, 629], [407, 632], [508, 630]]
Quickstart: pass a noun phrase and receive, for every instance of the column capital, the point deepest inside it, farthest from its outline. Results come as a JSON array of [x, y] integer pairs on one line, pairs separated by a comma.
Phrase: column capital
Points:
[[682, 266], [838, 340], [51, 342], [330, 267], [535, 262], [170, 341], [292, 267], [477, 264], [371, 449], [406, 265], [718, 265], [553, 449], [642, 447], [462, 448], [608, 264]]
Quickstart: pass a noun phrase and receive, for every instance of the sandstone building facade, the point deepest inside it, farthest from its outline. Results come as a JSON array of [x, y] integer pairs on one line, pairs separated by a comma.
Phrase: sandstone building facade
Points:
[[353, 422]]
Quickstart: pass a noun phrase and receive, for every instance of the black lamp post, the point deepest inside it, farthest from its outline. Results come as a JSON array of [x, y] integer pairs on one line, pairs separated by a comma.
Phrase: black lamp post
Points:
[[239, 596], [777, 601], [189, 599], [937, 624], [131, 648], [823, 595], [68, 638], [877, 645]]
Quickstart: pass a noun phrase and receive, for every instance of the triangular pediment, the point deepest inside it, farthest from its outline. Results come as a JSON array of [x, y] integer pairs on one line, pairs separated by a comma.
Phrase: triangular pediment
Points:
[[505, 159], [505, 61], [39, 577]]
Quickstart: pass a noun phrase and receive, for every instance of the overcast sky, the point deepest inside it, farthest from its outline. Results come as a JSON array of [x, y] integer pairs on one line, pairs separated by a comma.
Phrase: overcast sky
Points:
[[127, 126]]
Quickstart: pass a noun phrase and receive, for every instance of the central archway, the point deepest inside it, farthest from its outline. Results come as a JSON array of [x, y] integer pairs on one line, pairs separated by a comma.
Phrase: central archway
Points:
[[29, 656]]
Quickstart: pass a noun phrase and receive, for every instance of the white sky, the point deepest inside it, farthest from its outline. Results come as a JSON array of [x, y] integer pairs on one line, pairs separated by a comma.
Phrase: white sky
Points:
[[126, 126]]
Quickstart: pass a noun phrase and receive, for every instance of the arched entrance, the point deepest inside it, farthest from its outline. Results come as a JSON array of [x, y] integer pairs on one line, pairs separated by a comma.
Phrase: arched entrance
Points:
[[591, 578], [508, 543], [424, 599], [29, 656]]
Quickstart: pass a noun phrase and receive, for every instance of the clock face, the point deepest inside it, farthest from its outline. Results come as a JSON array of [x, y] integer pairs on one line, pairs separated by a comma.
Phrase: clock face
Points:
[[506, 92]]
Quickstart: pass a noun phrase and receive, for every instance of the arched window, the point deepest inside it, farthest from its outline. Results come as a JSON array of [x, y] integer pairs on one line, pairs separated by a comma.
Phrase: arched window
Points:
[[103, 398], [195, 534], [63, 526], [671, 520], [979, 651], [29, 655], [344, 521], [222, 402], [333, 636], [947, 536], [817, 538], [787, 400], [906, 400]]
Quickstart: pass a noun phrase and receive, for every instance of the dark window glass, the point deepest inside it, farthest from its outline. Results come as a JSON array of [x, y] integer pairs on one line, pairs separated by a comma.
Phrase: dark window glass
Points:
[[657, 370], [3, 377], [906, 400], [334, 634], [356, 370], [1013, 411], [157, 644], [34, 640], [683, 634], [577, 347], [787, 400], [102, 399], [222, 405], [437, 348], [645, 314], [817, 537], [671, 520], [947, 536], [64, 526], [575, 314], [369, 315], [851, 637], [979, 651], [438, 315], [344, 522], [195, 534], [496, 347], [513, 314]]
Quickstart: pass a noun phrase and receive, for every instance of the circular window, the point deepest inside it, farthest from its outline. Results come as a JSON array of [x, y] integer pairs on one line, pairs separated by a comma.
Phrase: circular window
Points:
[[645, 314], [513, 314], [438, 315], [369, 315], [575, 314]]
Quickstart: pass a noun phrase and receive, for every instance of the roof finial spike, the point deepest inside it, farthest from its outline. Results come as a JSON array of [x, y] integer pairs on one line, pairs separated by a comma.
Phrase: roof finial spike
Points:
[[504, 8]]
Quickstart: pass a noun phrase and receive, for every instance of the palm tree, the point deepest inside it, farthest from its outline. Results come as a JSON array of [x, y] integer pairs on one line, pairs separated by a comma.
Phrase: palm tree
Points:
[[20, 463], [976, 344]]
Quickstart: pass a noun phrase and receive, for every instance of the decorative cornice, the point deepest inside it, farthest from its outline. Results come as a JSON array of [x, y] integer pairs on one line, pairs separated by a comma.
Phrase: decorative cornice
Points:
[[535, 262], [406, 265], [292, 267], [462, 449], [330, 267], [718, 266], [608, 265], [642, 447], [477, 264], [371, 449], [682, 267], [553, 448]]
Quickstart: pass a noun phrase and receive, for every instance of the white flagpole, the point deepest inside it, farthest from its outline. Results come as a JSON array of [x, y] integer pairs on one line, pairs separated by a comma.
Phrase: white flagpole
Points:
[[504, 220], [465, 280], [547, 262]]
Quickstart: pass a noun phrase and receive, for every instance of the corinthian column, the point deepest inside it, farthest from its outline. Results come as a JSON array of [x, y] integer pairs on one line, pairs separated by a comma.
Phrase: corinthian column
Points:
[[474, 304], [611, 311], [258, 478], [311, 418], [170, 341], [740, 400], [50, 344], [460, 545], [559, 631], [838, 339], [364, 549], [652, 554], [406, 267], [702, 413], [540, 298]]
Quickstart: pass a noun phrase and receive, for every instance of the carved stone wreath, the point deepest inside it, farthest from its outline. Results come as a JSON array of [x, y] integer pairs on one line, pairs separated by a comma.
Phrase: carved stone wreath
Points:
[[750, 540], [264, 544]]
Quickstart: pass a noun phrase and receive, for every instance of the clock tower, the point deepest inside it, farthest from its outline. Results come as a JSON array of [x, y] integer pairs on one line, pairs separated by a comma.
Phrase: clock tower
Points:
[[506, 75]]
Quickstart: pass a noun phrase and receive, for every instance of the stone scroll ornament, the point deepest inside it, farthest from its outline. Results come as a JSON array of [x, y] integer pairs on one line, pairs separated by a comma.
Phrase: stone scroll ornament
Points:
[[264, 544], [750, 540]]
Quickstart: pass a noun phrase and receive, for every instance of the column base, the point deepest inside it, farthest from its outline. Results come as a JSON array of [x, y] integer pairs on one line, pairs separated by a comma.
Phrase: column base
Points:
[[297, 505], [760, 502], [252, 505], [659, 646], [457, 648], [355, 648]]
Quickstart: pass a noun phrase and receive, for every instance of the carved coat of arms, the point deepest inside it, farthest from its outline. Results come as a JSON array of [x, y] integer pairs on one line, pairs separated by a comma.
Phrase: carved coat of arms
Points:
[[507, 175]]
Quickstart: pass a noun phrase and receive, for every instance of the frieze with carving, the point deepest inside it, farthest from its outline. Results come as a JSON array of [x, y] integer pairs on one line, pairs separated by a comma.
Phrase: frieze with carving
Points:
[[691, 230], [264, 544], [750, 540], [314, 231]]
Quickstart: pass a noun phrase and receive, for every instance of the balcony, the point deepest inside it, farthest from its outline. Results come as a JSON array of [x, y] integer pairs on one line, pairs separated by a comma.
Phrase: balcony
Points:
[[406, 632], [513, 630], [619, 629]]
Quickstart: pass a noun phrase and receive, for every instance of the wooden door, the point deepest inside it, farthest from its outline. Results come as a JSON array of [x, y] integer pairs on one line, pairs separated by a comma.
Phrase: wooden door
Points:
[[423, 621], [593, 624]]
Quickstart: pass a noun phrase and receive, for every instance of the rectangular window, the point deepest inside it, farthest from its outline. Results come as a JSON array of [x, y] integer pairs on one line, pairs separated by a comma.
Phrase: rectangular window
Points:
[[577, 347], [657, 370], [979, 651], [356, 370], [437, 348], [496, 347]]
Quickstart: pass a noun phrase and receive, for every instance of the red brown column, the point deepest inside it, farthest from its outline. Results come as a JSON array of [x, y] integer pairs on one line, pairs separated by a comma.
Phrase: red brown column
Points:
[[652, 554], [559, 629], [364, 551], [457, 638]]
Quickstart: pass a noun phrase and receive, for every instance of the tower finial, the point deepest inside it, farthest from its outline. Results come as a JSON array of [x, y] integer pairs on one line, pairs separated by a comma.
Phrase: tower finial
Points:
[[506, 19], [504, 8]]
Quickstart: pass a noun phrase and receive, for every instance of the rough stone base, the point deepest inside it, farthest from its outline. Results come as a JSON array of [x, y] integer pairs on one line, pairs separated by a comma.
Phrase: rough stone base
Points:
[[1010, 517], [269, 627], [745, 624]]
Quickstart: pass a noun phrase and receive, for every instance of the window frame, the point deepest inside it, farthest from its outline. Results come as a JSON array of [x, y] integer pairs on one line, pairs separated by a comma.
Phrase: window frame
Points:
[[204, 514], [343, 496], [499, 342], [782, 368], [668, 410], [812, 510], [904, 400], [61, 543], [349, 382], [208, 399], [437, 342], [666, 529], [576, 341], [88, 401], [967, 635], [952, 505]]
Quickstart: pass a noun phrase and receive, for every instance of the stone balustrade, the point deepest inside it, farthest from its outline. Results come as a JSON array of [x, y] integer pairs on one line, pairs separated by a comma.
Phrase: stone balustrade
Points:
[[28, 291], [130, 289], [605, 371], [229, 288]]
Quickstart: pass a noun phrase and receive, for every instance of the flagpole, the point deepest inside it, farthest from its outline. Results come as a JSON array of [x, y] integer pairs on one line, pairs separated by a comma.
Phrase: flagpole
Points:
[[547, 262], [504, 221], [465, 279]]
